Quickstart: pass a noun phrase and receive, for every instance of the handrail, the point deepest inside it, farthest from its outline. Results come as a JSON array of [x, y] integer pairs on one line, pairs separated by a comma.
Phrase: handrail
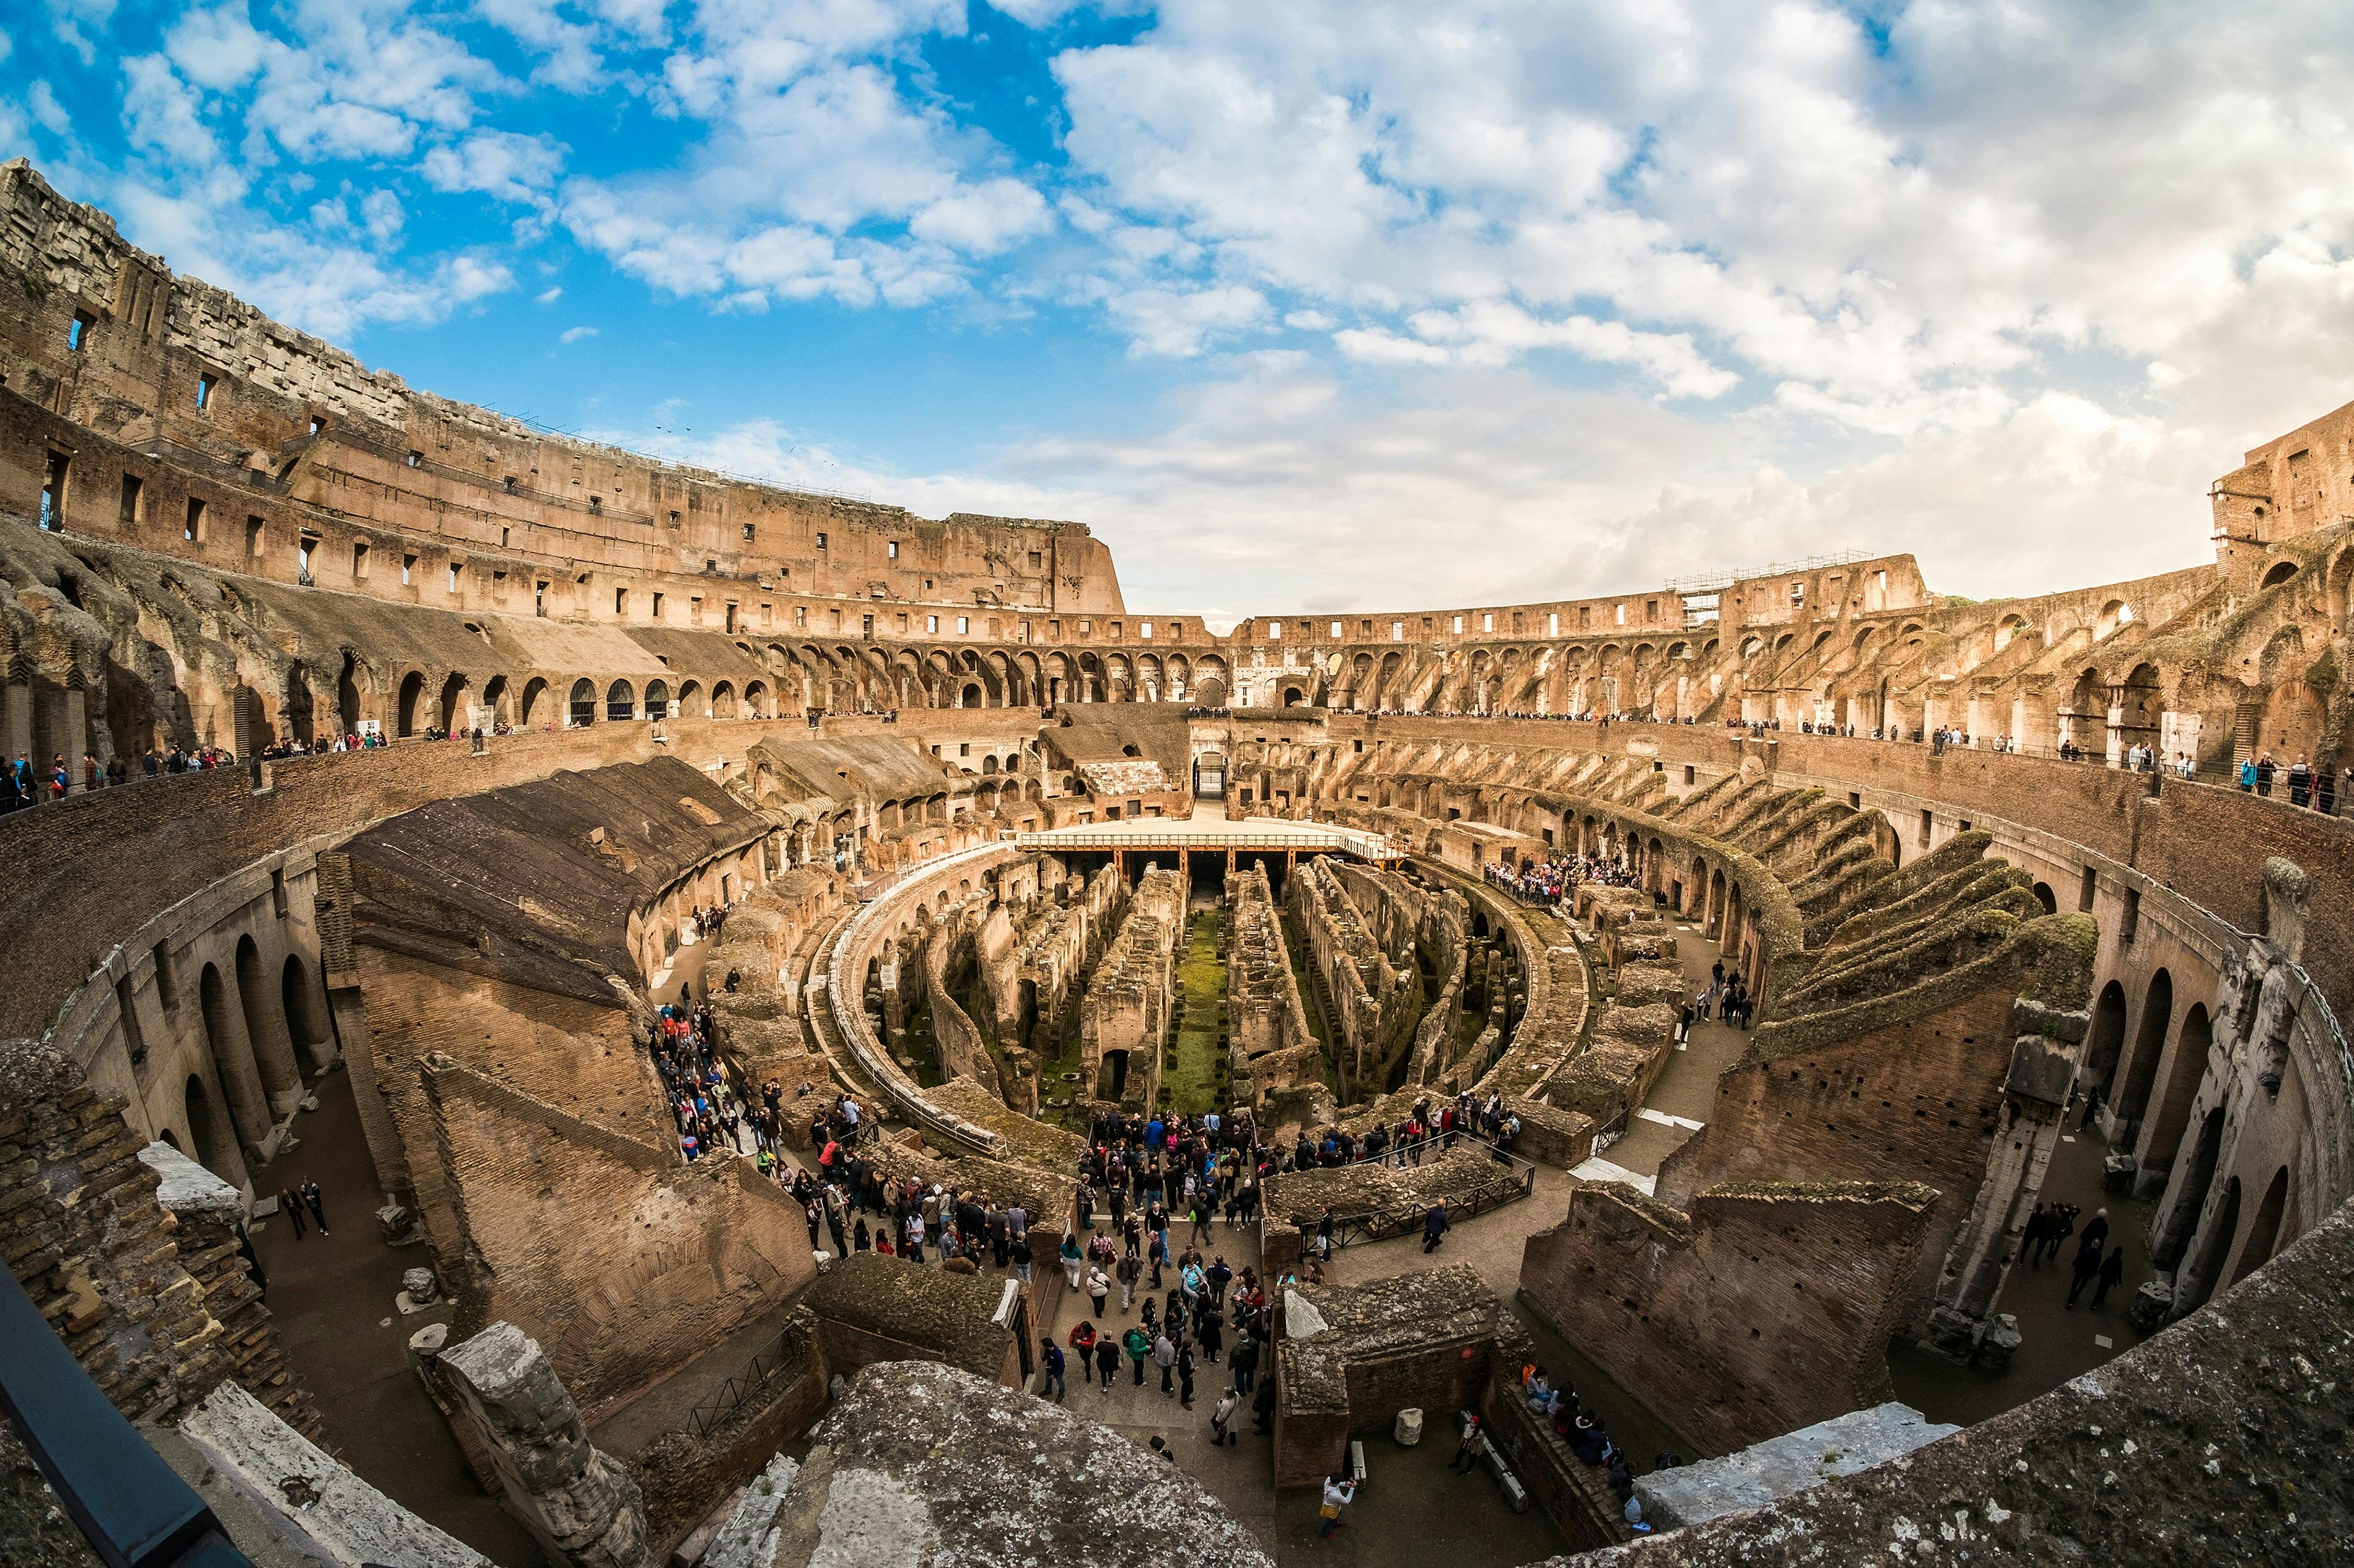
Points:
[[130, 1507], [716, 1409], [1371, 846]]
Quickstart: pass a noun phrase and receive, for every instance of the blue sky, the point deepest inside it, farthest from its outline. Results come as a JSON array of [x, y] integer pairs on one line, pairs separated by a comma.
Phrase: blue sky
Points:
[[1337, 302]]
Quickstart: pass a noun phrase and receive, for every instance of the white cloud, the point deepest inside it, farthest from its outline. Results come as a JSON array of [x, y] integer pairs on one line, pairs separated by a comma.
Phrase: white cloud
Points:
[[1184, 322], [502, 163], [42, 100], [549, 296], [574, 334]]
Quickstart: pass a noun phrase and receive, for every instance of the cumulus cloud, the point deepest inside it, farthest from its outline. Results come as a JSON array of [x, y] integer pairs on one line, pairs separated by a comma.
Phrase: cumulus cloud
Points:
[[574, 334]]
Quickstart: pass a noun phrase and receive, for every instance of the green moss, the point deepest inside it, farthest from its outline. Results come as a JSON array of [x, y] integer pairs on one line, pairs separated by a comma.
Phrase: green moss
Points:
[[1188, 1084]]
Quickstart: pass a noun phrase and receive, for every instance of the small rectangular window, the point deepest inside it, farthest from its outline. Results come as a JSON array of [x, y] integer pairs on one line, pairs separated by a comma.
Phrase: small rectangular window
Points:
[[2129, 922], [539, 600], [747, 533], [133, 487], [964, 626], [359, 559], [408, 570], [620, 602], [1037, 561], [252, 538], [801, 618], [1553, 624], [454, 579], [821, 541], [205, 385], [595, 503], [277, 894], [167, 990], [1458, 623], [1927, 822], [1085, 627], [768, 615], [1144, 629], [78, 330], [1336, 631], [894, 549], [1397, 631], [1275, 632], [193, 529], [931, 623], [731, 617], [415, 459], [658, 605], [1488, 621], [1690, 773], [510, 483], [318, 426], [502, 539]]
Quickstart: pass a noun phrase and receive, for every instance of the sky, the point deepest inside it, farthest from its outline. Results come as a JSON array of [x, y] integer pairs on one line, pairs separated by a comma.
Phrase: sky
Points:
[[1299, 306]]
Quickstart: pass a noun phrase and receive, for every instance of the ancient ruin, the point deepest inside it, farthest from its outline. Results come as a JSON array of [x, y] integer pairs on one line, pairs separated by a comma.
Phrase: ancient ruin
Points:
[[464, 1118]]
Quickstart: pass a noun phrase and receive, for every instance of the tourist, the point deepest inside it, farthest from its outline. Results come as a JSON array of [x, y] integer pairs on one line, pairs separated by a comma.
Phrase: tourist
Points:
[[1435, 1226], [1338, 1495], [291, 1207], [2088, 1265], [1099, 1289], [1051, 1355], [1164, 1356], [2113, 1273], [1139, 1348], [1074, 1260], [1468, 1452], [317, 1205], [1185, 1369], [1107, 1360], [1222, 1416]]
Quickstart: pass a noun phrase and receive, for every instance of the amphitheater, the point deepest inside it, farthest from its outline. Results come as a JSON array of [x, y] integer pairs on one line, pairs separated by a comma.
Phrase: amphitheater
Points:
[[1004, 857]]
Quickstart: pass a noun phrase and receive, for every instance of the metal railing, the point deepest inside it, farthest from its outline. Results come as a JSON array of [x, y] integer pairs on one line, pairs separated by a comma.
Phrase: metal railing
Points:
[[723, 1403], [1370, 846], [130, 1507]]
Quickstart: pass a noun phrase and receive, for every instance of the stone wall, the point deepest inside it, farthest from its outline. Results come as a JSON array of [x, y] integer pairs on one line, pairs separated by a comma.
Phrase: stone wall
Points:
[[132, 1257], [1661, 1296], [1272, 1046], [1125, 1008]]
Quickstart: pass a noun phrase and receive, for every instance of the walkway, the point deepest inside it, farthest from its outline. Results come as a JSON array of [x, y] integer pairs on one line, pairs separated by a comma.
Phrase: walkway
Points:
[[1684, 1094], [333, 1298]]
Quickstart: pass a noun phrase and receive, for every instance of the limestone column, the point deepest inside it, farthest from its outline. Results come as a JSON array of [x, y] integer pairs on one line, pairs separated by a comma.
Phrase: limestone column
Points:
[[579, 1502]]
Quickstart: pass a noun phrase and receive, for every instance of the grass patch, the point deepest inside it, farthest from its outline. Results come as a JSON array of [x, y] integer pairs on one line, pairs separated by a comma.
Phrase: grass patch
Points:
[[1193, 1084]]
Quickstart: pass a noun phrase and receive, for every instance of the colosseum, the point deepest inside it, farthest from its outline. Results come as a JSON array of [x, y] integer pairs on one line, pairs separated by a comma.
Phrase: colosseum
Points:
[[562, 1006]]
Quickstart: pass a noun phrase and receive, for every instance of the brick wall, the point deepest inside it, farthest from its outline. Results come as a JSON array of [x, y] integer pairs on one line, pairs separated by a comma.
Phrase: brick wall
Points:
[[1766, 1309]]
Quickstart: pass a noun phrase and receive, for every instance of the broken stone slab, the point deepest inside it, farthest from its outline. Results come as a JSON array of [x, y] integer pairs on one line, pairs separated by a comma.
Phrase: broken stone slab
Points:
[[2152, 1304], [1780, 1467]]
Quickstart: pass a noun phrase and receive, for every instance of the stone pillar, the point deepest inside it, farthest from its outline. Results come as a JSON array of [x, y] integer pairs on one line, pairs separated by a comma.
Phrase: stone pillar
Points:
[[233, 1052], [17, 721], [2035, 1097], [581, 1504], [75, 740]]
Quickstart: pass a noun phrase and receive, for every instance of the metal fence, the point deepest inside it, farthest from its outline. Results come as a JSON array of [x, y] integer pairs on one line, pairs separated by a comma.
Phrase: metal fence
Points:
[[1385, 1225], [746, 1384]]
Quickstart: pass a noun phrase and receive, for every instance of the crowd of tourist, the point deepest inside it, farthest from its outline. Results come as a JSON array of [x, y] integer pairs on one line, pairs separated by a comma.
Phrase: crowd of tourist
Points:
[[1557, 1404], [1549, 881]]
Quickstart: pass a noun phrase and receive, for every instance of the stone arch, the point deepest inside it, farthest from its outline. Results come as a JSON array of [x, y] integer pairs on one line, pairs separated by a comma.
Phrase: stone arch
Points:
[[2114, 617], [970, 695], [305, 1021], [347, 695], [756, 699], [297, 710], [212, 1142], [2279, 573], [2192, 1045], [657, 699], [2156, 1023], [494, 698], [534, 701], [2107, 1037], [2173, 1234], [2264, 1230], [723, 700], [265, 1028], [453, 698], [584, 702], [2046, 897], [2213, 1245], [412, 692], [232, 1056], [620, 701], [691, 703]]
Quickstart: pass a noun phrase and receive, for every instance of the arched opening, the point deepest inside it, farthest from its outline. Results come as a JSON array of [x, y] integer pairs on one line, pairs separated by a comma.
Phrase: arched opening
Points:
[[273, 1052], [756, 700], [620, 701], [454, 716], [494, 702], [2045, 896], [2190, 1197], [534, 701], [690, 701], [300, 728], [2280, 574], [2191, 1049], [723, 701], [412, 690], [657, 699], [2150, 1043], [969, 695], [210, 1142], [2107, 1037], [1114, 1078], [2263, 1231], [348, 695], [302, 1019], [584, 702], [2213, 1247], [232, 1058]]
